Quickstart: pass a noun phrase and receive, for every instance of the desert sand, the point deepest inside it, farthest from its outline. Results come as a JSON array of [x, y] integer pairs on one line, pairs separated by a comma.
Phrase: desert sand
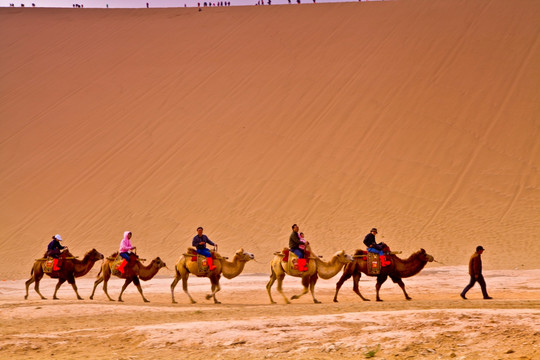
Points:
[[436, 324], [420, 118]]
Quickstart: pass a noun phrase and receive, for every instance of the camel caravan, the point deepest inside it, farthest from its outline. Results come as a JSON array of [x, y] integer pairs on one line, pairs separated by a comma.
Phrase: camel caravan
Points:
[[298, 260]]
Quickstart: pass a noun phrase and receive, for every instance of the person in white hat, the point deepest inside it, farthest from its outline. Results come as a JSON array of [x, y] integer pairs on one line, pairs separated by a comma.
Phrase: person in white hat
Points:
[[54, 250]]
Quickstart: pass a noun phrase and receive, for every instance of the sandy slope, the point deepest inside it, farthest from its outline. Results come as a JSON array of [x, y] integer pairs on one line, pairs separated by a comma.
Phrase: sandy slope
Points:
[[418, 117]]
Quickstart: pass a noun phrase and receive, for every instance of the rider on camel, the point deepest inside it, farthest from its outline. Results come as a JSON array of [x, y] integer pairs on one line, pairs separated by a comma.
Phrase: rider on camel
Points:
[[376, 248], [54, 250], [199, 241], [294, 246], [125, 250]]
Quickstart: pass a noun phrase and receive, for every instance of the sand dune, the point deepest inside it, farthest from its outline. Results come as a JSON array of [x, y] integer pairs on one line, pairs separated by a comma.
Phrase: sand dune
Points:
[[421, 118]]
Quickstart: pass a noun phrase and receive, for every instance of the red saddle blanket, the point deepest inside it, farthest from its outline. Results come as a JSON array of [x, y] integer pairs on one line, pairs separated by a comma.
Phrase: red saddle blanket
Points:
[[116, 263]]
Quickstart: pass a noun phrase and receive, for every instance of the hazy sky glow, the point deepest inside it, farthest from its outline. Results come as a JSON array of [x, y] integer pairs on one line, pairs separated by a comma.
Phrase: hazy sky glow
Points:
[[142, 3]]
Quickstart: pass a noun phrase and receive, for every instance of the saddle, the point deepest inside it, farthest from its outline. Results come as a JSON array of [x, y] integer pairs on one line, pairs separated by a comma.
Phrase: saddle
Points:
[[54, 264], [48, 265], [118, 260], [373, 263], [203, 267], [296, 266]]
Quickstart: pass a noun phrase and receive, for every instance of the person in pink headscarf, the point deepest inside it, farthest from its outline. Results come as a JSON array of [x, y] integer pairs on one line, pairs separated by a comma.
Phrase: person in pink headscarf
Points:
[[125, 250]]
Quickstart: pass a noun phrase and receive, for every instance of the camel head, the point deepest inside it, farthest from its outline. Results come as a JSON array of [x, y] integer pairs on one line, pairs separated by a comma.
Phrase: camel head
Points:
[[424, 256], [244, 255], [342, 257], [159, 263], [94, 255]]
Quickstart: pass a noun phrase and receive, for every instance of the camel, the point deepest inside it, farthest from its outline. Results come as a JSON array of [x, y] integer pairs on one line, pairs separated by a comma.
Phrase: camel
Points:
[[133, 271], [71, 269], [315, 268], [186, 266], [396, 271]]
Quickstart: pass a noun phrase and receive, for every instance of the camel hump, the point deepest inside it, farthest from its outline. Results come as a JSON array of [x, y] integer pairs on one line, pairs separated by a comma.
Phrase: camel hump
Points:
[[282, 252]]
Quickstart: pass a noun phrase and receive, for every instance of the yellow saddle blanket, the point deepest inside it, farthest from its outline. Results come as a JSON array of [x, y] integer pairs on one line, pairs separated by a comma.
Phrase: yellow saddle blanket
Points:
[[48, 265], [373, 264], [202, 264], [115, 264]]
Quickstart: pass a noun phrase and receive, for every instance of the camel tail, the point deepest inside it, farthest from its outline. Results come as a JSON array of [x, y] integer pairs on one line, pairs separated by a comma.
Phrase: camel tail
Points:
[[99, 273], [32, 271]]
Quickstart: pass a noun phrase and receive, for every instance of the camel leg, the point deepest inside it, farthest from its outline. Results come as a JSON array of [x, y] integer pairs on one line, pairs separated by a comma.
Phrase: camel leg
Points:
[[215, 288], [340, 282], [60, 282], [312, 282], [36, 276], [128, 281], [173, 285], [356, 279], [305, 283], [28, 283], [402, 286], [137, 283], [96, 283], [380, 280], [36, 287], [280, 287], [268, 286], [71, 280], [106, 277], [185, 288]]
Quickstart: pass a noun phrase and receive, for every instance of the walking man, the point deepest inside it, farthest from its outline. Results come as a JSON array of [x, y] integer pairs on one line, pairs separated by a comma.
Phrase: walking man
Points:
[[475, 270]]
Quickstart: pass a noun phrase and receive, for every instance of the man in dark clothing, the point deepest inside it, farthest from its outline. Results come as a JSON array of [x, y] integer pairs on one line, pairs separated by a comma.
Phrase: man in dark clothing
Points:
[[200, 241], [294, 247], [294, 242], [374, 247], [54, 250], [475, 270]]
